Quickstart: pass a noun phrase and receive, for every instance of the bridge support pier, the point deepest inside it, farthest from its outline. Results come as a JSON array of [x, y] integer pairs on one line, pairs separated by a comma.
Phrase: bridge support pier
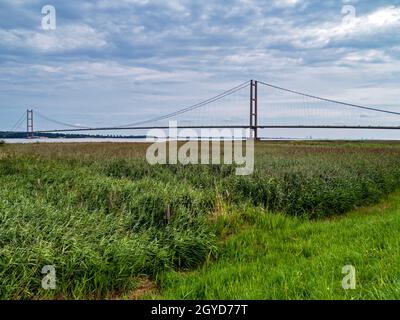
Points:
[[29, 124], [254, 109]]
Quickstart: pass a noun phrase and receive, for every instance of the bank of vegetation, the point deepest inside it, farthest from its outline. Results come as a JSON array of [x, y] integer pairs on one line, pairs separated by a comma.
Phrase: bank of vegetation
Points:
[[105, 218]]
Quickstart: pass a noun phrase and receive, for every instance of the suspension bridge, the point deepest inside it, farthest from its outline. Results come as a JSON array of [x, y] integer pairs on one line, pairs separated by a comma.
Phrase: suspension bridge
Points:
[[253, 105]]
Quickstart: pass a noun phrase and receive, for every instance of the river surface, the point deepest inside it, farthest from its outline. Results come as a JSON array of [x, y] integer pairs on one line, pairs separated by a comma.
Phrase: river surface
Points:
[[272, 135], [77, 140]]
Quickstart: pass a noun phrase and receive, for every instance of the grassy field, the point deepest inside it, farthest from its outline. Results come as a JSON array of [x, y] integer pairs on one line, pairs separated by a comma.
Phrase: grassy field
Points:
[[272, 256], [99, 213]]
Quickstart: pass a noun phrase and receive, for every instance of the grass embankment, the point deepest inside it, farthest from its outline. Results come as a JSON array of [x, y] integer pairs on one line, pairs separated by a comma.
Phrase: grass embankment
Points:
[[273, 256], [98, 212]]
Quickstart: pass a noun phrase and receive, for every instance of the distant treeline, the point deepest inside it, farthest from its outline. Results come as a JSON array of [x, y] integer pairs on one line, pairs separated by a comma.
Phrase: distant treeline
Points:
[[22, 135]]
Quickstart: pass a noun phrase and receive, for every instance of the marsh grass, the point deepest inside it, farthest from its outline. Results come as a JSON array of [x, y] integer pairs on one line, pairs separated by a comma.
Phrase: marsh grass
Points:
[[275, 256], [98, 212]]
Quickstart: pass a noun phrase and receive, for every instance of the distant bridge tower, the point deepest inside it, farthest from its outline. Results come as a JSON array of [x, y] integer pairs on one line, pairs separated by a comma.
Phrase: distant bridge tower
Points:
[[29, 124], [253, 109]]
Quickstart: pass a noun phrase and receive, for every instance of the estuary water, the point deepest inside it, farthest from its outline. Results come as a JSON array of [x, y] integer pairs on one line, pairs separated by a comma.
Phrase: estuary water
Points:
[[267, 134], [77, 140]]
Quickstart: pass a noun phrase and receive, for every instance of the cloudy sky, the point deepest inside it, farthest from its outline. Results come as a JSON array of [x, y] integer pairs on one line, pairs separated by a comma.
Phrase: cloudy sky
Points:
[[112, 62]]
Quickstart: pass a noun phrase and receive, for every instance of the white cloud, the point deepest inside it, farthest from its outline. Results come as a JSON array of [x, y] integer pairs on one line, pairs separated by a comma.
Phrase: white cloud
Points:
[[65, 38], [375, 23], [115, 70], [103, 70], [286, 3], [367, 56], [259, 57], [173, 5]]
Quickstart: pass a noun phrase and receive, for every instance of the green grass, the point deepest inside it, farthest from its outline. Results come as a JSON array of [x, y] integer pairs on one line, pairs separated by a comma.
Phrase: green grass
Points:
[[99, 232], [98, 212], [272, 256]]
